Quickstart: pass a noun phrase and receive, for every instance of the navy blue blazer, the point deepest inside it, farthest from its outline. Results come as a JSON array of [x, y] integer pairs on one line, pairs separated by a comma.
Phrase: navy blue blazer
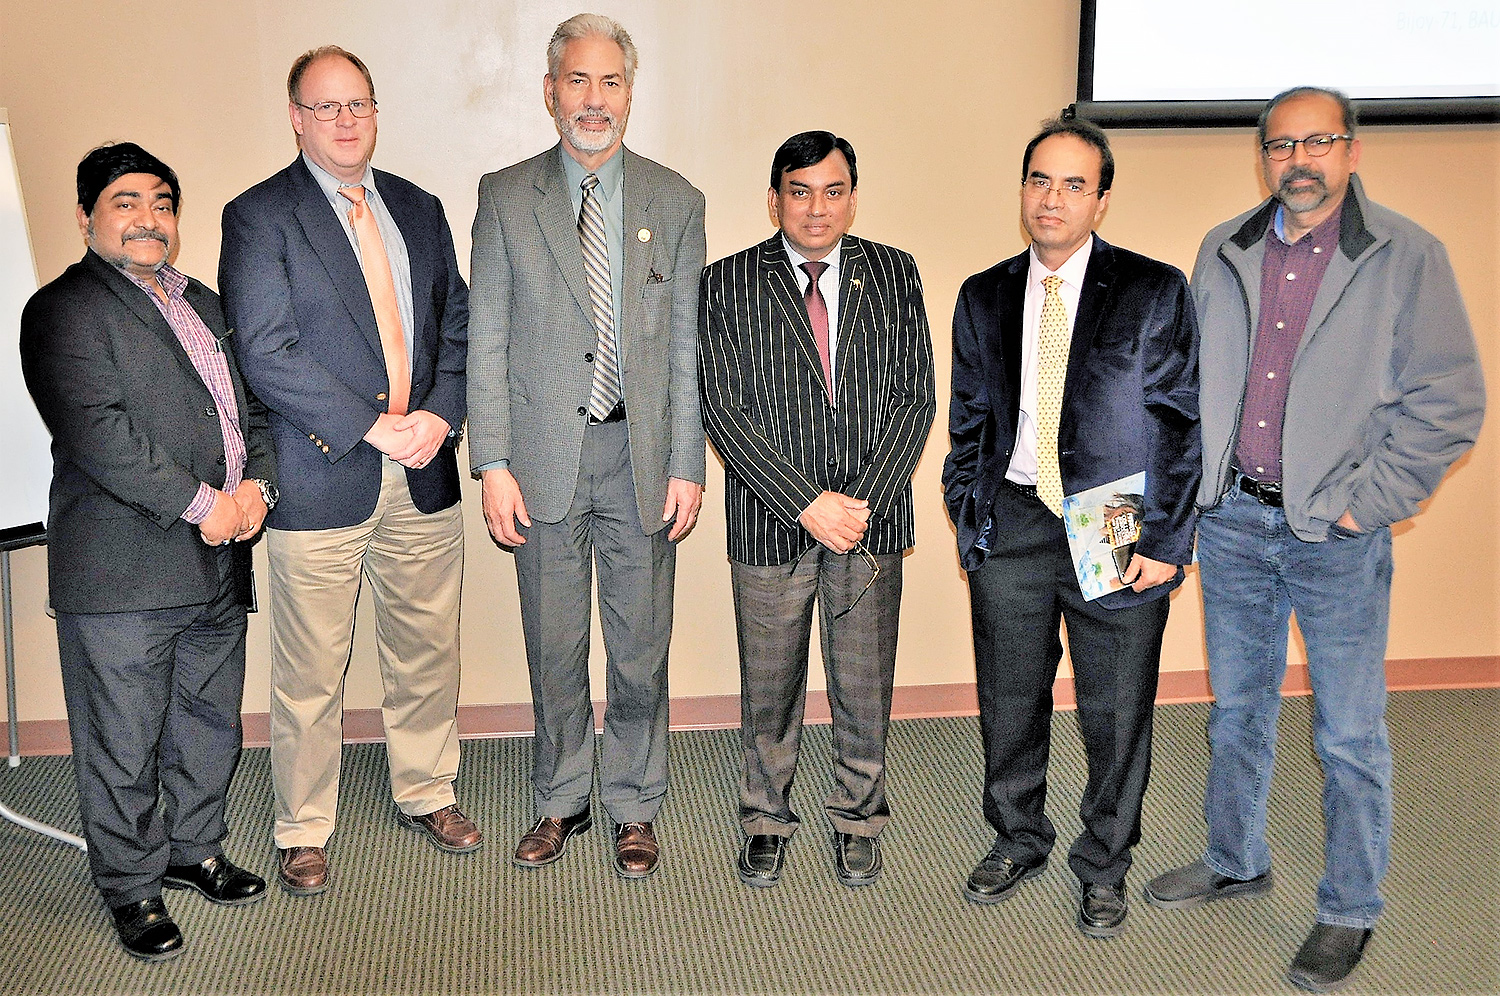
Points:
[[1130, 400], [307, 342]]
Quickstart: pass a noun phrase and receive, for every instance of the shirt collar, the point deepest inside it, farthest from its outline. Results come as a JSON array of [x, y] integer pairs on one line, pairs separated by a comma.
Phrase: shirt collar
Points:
[[330, 184], [796, 259], [1071, 271], [1326, 234], [611, 173], [173, 281]]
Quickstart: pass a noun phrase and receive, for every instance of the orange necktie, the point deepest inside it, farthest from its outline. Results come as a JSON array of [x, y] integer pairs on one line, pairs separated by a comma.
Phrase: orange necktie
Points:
[[382, 287]]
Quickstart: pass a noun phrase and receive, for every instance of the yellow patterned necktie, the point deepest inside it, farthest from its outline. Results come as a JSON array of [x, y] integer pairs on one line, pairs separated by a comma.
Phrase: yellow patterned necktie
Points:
[[1052, 373]]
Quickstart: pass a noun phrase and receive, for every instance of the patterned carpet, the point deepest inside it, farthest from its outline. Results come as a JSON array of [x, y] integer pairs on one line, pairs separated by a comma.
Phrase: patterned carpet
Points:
[[403, 918]]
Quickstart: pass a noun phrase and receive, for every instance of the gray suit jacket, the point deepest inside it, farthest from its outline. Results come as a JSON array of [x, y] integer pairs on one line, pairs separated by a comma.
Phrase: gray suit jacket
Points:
[[531, 324]]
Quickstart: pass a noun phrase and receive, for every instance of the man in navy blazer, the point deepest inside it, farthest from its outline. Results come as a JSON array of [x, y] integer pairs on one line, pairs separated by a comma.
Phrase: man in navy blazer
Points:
[[352, 324], [162, 471], [1128, 386]]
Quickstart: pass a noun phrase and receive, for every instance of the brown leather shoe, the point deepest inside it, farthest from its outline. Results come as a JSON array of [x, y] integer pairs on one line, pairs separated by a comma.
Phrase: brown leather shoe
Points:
[[545, 842], [636, 850], [448, 828], [303, 871]]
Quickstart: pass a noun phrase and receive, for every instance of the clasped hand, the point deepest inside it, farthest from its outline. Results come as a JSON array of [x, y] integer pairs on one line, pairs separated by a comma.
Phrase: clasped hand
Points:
[[411, 440], [836, 521], [237, 516]]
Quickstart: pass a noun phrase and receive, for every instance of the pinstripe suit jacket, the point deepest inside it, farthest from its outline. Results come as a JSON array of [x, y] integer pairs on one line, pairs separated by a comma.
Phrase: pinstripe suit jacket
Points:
[[766, 406], [532, 336]]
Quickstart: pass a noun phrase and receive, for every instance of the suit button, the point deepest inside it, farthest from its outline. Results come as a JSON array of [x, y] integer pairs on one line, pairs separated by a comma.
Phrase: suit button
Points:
[[833, 461], [325, 449], [313, 436], [588, 357], [380, 396], [582, 410], [209, 413], [221, 459]]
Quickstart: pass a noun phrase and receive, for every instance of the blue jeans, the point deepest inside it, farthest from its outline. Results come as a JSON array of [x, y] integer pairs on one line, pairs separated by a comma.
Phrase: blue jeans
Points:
[[1255, 573]]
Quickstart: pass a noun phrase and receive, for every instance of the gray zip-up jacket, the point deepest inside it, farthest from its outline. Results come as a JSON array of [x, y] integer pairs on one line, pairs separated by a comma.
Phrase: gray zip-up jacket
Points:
[[1386, 388]]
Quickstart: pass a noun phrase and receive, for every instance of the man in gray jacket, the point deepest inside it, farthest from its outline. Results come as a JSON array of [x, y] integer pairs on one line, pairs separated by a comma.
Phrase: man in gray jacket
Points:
[[585, 426], [1340, 379]]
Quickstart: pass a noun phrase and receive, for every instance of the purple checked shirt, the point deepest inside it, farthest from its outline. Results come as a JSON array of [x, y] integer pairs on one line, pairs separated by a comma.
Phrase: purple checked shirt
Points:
[[208, 359], [1289, 280]]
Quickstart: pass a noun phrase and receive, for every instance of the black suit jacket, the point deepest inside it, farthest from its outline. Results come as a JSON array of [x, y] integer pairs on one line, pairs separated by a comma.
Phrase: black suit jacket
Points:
[[1130, 400], [766, 407], [307, 340], [134, 432]]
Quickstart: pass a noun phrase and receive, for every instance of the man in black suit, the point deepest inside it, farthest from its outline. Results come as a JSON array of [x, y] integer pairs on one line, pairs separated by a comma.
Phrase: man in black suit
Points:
[[818, 394], [162, 473], [352, 326], [1074, 366]]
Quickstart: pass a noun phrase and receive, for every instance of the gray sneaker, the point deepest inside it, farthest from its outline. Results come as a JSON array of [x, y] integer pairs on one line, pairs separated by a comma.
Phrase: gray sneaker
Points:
[[1196, 884]]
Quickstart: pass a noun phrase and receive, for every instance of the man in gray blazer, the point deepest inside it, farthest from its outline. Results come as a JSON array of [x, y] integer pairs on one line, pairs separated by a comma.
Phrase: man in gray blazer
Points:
[[818, 394], [584, 425]]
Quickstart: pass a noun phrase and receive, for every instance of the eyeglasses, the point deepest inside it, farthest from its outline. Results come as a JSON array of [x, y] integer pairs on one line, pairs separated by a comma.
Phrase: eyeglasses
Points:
[[1038, 186], [1281, 149], [874, 573], [328, 110]]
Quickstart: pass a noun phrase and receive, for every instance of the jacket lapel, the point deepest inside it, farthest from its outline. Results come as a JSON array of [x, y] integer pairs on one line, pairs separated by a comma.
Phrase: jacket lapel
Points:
[[1009, 305], [639, 195], [325, 233], [853, 273], [140, 304], [1093, 298], [554, 213], [781, 286]]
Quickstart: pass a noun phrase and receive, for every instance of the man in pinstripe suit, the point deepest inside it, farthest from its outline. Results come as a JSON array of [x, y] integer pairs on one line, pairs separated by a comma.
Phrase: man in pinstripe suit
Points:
[[818, 394]]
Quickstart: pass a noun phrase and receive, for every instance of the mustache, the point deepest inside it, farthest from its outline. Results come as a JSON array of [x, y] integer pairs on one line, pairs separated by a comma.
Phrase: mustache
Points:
[[144, 233], [1300, 173], [593, 112]]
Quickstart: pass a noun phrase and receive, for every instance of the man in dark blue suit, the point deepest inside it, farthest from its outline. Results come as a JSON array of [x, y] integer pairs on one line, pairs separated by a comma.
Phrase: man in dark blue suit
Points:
[[162, 472], [1074, 365], [352, 325]]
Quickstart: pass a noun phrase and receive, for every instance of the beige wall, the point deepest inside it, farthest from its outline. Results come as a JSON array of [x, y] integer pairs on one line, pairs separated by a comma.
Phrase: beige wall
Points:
[[938, 99]]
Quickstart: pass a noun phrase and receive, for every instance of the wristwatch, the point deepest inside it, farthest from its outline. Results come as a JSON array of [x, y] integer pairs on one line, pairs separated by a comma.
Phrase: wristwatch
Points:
[[269, 492]]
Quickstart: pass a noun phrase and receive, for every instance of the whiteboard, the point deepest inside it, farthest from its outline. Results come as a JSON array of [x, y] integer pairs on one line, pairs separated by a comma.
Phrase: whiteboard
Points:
[[25, 457]]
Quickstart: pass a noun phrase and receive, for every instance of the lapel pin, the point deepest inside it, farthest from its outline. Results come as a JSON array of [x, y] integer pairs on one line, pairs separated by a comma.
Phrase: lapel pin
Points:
[[644, 235], [854, 282]]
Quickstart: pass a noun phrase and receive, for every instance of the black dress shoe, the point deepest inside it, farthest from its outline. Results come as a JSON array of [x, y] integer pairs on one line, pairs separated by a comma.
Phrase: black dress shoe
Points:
[[761, 859], [1326, 958], [856, 860], [218, 879], [1102, 908], [997, 877], [146, 930]]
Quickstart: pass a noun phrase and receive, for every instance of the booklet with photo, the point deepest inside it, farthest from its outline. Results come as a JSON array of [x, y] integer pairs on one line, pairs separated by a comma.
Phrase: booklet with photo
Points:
[[1103, 525]]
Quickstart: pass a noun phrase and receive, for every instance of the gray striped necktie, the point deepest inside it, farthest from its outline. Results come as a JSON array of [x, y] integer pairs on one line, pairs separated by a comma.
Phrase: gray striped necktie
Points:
[[605, 393]]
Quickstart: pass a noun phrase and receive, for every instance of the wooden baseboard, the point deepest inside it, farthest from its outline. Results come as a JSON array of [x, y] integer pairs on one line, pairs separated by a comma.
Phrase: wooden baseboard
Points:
[[718, 712]]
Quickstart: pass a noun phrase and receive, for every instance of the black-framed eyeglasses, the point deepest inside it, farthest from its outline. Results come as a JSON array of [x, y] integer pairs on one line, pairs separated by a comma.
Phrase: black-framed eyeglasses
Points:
[[329, 110], [1280, 150], [874, 573]]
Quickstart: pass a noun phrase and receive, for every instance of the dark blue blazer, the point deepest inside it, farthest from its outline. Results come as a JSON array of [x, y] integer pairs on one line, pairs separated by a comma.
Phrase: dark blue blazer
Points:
[[307, 342], [1130, 401]]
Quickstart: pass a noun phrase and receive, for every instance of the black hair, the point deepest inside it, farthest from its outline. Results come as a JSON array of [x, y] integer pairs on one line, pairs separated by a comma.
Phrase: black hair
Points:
[[1345, 107], [107, 163], [1078, 128], [808, 149]]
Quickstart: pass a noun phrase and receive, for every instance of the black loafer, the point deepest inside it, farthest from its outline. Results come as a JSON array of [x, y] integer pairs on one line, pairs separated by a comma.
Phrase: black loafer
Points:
[[218, 879], [146, 930], [1102, 908], [1326, 958], [997, 877], [761, 859], [856, 860]]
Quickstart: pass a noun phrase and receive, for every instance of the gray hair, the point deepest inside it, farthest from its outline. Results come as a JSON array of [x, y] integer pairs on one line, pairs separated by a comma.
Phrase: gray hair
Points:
[[1337, 96], [589, 26]]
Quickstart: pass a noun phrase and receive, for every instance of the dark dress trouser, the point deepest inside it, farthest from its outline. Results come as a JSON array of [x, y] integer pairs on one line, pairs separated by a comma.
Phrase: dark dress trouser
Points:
[[153, 701], [1018, 596]]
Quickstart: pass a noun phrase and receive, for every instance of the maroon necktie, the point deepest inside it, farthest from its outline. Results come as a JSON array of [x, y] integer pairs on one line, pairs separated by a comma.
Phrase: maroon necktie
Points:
[[817, 314]]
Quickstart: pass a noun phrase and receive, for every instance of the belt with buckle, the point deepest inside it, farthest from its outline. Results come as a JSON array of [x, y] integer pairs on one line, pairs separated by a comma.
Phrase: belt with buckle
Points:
[[1029, 490], [1265, 492], [616, 414]]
